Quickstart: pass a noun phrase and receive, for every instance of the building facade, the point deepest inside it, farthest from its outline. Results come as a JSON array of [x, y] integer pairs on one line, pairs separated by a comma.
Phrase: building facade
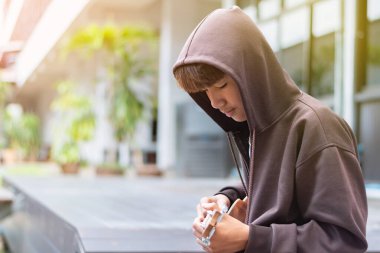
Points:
[[331, 50]]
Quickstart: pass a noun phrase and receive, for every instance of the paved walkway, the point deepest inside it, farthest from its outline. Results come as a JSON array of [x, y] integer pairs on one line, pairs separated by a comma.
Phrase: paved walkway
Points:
[[73, 214], [97, 218]]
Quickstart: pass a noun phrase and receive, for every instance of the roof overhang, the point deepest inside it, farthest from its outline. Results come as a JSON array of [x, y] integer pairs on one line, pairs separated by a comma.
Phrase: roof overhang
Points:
[[39, 64]]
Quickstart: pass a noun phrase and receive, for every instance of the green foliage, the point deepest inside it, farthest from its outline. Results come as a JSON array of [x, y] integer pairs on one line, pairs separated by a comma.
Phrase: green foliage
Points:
[[76, 110], [374, 54], [30, 135], [128, 53], [23, 133], [67, 153], [82, 128], [76, 121], [5, 89], [126, 110], [30, 169], [123, 41]]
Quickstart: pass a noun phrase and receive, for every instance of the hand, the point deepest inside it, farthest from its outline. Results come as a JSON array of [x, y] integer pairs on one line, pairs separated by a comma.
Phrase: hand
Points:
[[231, 235], [208, 203], [212, 203]]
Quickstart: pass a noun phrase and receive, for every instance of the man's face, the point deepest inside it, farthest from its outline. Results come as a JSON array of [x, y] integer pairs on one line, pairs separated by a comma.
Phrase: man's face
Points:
[[225, 96]]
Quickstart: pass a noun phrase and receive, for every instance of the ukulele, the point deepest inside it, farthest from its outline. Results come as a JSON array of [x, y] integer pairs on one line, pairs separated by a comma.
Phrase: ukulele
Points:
[[237, 210]]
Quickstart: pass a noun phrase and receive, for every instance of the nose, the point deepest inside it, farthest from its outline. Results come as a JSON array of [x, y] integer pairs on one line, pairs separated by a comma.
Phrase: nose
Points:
[[216, 100]]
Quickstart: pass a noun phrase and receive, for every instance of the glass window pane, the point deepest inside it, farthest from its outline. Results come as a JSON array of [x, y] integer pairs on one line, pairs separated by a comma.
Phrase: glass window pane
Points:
[[373, 66], [326, 17], [270, 31], [292, 59], [294, 27], [249, 7], [322, 72], [251, 11], [373, 7], [269, 8], [293, 3]]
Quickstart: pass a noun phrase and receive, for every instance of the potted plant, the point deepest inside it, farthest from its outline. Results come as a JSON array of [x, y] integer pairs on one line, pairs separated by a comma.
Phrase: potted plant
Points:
[[11, 117], [29, 142], [22, 134], [68, 157], [128, 53], [5, 89], [76, 121], [110, 169]]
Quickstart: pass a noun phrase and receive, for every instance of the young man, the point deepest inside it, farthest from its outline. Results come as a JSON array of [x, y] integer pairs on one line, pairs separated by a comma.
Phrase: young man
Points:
[[297, 159]]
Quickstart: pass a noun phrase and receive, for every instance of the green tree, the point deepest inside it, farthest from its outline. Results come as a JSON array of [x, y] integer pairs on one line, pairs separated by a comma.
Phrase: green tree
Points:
[[77, 120], [128, 53], [5, 89], [22, 133]]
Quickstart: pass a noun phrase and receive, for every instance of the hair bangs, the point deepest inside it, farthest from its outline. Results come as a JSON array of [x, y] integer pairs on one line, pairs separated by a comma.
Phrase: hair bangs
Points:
[[197, 77]]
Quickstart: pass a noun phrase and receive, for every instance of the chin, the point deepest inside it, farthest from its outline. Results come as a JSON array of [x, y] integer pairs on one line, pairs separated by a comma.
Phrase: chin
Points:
[[237, 119]]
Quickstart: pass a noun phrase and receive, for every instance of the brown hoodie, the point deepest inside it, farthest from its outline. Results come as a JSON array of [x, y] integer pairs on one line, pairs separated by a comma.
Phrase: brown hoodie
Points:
[[302, 177]]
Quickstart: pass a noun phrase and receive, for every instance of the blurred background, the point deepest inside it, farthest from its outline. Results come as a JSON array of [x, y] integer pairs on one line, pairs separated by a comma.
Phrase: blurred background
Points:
[[86, 86], [89, 84]]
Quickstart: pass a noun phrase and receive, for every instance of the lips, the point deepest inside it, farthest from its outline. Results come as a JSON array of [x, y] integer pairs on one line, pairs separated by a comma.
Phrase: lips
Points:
[[229, 112]]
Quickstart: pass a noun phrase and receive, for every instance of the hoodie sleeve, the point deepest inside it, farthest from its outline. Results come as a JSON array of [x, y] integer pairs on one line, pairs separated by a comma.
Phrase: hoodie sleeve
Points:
[[233, 192], [330, 193]]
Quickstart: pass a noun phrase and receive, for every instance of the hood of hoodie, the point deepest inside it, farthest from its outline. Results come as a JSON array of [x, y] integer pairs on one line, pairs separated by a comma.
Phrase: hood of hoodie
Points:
[[229, 40]]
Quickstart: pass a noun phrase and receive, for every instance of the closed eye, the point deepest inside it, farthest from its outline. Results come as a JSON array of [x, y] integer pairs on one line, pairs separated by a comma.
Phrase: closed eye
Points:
[[222, 86]]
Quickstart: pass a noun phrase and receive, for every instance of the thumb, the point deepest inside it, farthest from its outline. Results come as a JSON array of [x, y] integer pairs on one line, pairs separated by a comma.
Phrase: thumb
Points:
[[223, 206]]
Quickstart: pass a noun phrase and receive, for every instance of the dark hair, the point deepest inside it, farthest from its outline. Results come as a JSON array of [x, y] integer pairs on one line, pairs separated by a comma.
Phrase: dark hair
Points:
[[196, 77]]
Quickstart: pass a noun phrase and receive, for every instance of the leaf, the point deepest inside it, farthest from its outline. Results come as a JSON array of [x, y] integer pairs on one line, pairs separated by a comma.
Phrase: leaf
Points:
[[128, 53]]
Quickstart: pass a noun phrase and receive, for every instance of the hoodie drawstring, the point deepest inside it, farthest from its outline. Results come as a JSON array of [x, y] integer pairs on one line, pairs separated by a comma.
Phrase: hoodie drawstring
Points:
[[236, 162], [252, 141]]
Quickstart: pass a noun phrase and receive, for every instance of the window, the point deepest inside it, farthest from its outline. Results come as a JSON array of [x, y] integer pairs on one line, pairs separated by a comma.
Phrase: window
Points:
[[270, 31], [373, 59], [294, 27], [309, 56], [293, 60], [293, 40], [323, 51], [326, 17], [248, 7], [293, 3], [269, 8], [322, 70]]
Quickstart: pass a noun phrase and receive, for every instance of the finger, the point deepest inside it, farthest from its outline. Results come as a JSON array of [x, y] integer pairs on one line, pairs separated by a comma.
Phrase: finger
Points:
[[201, 212], [222, 200], [210, 206], [197, 234], [197, 228], [205, 248], [205, 200], [222, 203]]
